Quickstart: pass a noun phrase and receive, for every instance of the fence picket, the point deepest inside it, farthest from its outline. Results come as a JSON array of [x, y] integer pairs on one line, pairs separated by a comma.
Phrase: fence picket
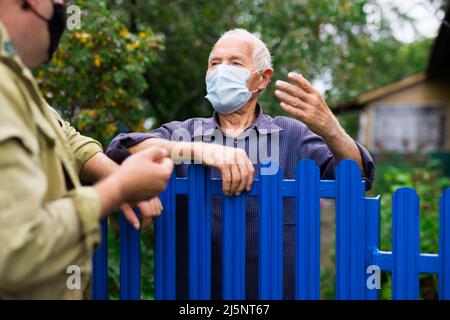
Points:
[[308, 231], [165, 233], [271, 237], [444, 246], [372, 243], [234, 241], [130, 261], [405, 246], [199, 234], [350, 273], [100, 266]]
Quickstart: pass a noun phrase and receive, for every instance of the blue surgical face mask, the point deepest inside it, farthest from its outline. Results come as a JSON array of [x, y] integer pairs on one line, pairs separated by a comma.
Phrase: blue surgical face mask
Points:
[[227, 88]]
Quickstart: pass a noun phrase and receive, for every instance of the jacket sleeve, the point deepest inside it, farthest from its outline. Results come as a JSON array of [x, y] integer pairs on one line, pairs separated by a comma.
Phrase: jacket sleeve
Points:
[[83, 148], [39, 239]]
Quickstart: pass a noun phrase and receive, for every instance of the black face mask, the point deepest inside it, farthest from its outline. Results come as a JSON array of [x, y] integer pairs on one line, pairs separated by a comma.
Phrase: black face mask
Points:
[[56, 26]]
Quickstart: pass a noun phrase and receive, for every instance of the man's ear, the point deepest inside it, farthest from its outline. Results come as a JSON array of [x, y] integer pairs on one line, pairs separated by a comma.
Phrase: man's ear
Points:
[[267, 78]]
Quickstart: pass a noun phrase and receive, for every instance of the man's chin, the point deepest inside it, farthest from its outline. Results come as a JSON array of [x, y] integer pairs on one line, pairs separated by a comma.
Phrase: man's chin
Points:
[[36, 61]]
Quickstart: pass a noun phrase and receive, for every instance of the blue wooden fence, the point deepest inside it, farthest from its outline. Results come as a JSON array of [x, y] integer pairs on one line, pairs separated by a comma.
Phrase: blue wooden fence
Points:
[[357, 239]]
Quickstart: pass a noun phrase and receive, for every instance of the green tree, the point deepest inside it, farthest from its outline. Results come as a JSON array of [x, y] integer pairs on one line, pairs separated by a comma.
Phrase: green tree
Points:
[[333, 40], [97, 77]]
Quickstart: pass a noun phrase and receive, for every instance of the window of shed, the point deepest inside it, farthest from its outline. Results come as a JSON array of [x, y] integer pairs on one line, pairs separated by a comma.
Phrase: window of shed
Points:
[[407, 128]]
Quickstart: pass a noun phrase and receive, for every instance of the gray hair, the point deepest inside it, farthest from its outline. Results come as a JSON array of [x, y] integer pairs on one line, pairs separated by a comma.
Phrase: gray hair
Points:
[[261, 54]]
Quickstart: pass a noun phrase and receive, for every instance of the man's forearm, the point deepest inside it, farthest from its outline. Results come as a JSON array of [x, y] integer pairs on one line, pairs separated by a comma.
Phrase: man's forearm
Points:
[[97, 168], [177, 151], [344, 147], [110, 193]]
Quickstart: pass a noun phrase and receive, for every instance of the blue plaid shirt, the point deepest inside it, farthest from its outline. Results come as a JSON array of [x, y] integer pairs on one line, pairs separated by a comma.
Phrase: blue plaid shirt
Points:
[[295, 142]]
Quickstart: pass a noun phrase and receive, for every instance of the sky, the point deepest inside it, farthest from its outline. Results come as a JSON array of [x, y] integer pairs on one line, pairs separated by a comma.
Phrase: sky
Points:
[[428, 18]]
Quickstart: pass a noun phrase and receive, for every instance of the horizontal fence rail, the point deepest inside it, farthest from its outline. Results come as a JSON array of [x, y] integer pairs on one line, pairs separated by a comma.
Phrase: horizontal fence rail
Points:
[[358, 254]]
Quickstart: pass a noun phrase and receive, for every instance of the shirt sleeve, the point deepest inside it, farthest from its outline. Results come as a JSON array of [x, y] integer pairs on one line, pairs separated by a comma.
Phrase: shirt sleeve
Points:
[[118, 150], [39, 239], [83, 148], [313, 147]]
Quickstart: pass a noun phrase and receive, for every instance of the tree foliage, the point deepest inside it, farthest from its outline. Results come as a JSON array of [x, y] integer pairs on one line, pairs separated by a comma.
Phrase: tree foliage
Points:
[[346, 44], [97, 77], [112, 75]]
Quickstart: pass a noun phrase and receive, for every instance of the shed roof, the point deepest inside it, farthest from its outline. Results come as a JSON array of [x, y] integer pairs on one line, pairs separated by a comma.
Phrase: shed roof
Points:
[[438, 69]]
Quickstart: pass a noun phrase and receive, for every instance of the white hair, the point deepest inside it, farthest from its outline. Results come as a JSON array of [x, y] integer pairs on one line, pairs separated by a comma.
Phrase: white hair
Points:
[[261, 54]]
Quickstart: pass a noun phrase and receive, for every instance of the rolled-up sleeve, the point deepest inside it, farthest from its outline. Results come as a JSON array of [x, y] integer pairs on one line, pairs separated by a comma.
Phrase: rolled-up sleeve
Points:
[[83, 148], [369, 165], [39, 239], [313, 147], [118, 150]]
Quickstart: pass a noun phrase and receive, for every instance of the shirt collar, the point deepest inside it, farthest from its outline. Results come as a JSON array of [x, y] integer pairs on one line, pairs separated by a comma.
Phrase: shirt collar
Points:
[[264, 124]]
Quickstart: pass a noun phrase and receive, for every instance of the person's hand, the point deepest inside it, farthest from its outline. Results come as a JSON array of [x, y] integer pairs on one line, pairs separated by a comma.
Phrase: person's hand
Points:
[[148, 209], [145, 174], [235, 167], [304, 102]]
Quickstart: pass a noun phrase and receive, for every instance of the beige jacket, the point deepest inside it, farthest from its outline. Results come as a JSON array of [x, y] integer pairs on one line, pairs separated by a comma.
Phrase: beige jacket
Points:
[[45, 228]]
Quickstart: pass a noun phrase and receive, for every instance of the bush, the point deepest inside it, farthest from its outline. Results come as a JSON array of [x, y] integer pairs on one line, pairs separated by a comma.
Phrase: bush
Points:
[[426, 175], [96, 78]]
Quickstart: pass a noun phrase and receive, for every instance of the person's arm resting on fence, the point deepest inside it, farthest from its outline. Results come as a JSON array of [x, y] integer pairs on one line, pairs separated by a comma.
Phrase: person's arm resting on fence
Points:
[[236, 169]]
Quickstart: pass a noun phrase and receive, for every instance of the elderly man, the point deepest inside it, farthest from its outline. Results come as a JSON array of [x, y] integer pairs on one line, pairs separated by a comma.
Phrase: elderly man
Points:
[[239, 70], [49, 222]]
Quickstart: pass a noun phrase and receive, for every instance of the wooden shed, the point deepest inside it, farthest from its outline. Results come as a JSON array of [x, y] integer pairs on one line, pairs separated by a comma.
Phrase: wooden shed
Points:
[[412, 114]]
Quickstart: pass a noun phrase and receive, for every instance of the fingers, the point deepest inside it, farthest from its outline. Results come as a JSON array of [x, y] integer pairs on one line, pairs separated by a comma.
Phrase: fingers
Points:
[[299, 80], [240, 176], [149, 210], [154, 154], [290, 99], [235, 179], [251, 177], [245, 175], [167, 166], [130, 215], [146, 213], [226, 179], [299, 99], [164, 171], [291, 90], [158, 204], [238, 173], [299, 114]]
